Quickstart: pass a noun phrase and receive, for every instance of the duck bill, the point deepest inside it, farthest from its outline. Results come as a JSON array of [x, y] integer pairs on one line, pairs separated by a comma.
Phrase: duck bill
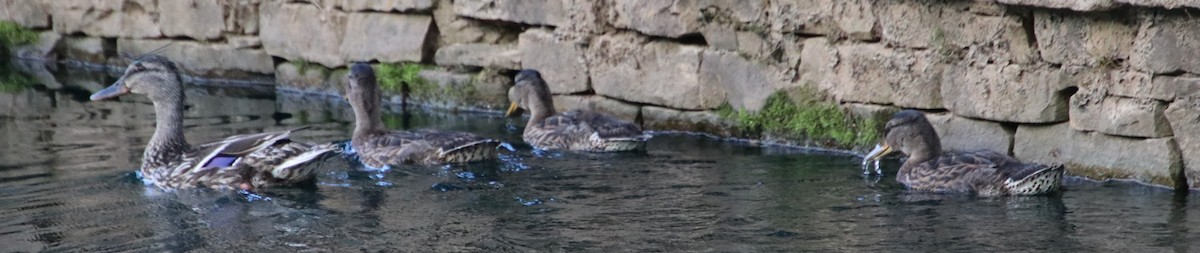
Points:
[[878, 152], [116, 89], [512, 108]]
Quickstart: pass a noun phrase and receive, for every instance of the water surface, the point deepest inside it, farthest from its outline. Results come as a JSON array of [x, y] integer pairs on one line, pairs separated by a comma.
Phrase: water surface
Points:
[[67, 183]]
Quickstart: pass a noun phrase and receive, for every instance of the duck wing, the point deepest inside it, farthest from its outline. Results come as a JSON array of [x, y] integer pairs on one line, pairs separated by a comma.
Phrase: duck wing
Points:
[[225, 152], [605, 126], [993, 173]]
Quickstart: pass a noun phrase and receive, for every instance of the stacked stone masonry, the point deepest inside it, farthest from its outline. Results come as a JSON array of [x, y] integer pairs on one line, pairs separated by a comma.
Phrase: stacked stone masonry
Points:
[[1111, 88]]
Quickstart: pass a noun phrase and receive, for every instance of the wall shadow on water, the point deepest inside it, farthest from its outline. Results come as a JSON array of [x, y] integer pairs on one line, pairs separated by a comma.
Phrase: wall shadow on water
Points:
[[67, 184]]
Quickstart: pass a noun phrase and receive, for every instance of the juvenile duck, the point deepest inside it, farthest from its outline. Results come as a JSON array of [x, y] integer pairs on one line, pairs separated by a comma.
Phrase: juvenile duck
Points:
[[986, 173], [378, 147], [581, 130], [246, 162]]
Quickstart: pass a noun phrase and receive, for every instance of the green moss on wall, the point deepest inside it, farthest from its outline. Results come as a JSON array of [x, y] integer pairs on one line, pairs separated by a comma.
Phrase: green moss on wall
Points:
[[394, 77], [12, 34], [804, 115]]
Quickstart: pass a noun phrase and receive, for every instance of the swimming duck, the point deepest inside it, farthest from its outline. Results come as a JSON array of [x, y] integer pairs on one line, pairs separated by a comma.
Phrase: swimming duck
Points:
[[246, 162], [378, 147], [986, 173], [581, 130]]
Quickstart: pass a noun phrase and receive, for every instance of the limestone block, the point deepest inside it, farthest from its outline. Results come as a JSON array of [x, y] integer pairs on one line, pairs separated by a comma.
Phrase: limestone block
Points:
[[618, 109], [197, 19], [1178, 87], [480, 55], [671, 19], [549, 12], [1100, 156], [244, 41], [817, 62], [1184, 116], [1169, 4], [561, 62], [659, 118], [855, 19], [89, 49], [386, 37], [747, 84], [106, 18], [1167, 42], [1122, 116], [303, 32], [1088, 39], [242, 16], [963, 134], [304, 78], [1076, 5], [945, 27], [27, 13], [384, 6], [454, 29], [204, 59], [872, 73], [632, 68], [1009, 93]]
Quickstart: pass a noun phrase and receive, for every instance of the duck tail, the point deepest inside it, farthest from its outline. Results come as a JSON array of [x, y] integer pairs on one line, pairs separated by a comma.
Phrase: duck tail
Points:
[[292, 169], [1047, 180], [479, 150]]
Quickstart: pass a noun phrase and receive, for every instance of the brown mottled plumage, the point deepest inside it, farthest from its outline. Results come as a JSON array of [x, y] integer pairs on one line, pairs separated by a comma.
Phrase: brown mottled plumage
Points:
[[378, 147], [246, 162], [581, 130], [986, 173]]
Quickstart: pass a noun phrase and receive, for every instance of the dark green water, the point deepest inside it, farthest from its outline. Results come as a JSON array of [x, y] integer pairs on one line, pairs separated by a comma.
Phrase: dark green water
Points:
[[67, 184]]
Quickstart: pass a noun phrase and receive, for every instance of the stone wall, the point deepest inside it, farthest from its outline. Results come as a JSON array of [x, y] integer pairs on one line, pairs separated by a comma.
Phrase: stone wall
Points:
[[1109, 87]]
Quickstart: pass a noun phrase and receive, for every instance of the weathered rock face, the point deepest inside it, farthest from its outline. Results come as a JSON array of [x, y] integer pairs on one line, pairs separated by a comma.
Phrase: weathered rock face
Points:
[[1009, 93], [1094, 111], [455, 29], [1089, 39], [618, 109], [1080, 5], [875, 74], [204, 59], [106, 18], [631, 68], [331, 38], [27, 13], [1184, 116], [1100, 156], [303, 32], [479, 55], [527, 12], [384, 6], [43, 48], [385, 37], [1166, 42], [963, 134], [303, 78], [197, 19], [658, 18], [949, 29], [853, 19], [561, 62], [747, 85]]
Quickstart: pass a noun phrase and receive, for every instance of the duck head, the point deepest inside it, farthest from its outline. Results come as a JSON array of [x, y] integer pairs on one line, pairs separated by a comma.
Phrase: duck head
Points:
[[910, 133], [151, 75], [531, 93]]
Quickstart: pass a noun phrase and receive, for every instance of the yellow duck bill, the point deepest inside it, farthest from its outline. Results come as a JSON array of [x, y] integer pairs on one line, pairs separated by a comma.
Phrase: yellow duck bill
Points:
[[511, 109], [879, 151]]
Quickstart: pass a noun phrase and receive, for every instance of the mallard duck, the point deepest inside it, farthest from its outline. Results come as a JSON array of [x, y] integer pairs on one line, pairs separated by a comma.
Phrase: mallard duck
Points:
[[581, 130], [246, 162], [986, 173], [378, 147]]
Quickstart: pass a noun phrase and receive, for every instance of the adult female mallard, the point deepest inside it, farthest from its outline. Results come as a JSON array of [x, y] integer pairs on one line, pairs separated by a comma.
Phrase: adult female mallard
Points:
[[246, 162], [581, 130], [986, 173], [378, 147]]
